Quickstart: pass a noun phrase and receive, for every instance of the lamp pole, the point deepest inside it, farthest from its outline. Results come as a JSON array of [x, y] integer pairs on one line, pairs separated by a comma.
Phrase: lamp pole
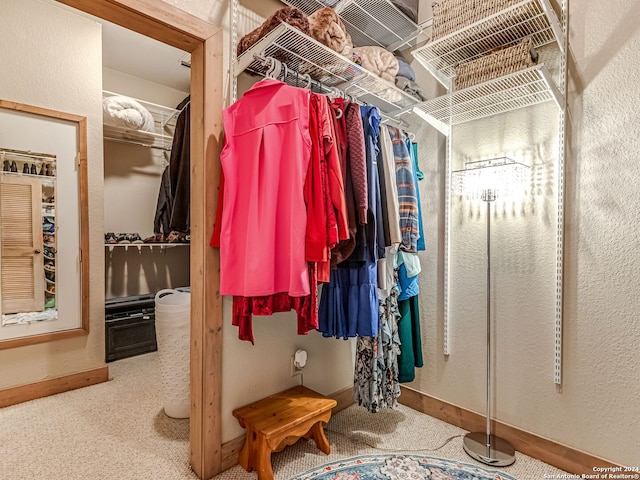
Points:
[[483, 446]]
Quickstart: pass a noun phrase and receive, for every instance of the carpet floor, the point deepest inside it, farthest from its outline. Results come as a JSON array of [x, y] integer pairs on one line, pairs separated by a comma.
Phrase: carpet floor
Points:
[[117, 430]]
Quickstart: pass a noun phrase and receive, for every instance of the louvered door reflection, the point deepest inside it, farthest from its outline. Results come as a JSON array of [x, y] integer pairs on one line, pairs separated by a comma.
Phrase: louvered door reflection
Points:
[[22, 266]]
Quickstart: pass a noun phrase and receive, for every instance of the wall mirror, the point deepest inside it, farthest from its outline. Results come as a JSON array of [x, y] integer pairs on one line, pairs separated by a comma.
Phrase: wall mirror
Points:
[[44, 269]]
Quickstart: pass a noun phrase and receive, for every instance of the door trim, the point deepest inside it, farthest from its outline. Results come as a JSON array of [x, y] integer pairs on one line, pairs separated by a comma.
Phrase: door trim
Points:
[[175, 27]]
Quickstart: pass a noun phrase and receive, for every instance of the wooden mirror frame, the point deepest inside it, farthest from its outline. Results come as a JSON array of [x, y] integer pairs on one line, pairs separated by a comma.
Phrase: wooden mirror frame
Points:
[[83, 329]]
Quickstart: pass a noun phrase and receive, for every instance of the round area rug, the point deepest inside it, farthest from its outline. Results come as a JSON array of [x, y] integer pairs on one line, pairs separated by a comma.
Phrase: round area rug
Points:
[[400, 467]]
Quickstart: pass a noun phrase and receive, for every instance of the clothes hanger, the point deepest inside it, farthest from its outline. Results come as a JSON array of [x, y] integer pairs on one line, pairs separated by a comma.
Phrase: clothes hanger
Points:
[[270, 64], [285, 72], [307, 77], [333, 93]]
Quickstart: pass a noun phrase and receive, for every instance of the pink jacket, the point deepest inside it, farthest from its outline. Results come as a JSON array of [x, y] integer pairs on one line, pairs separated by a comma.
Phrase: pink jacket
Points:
[[265, 161]]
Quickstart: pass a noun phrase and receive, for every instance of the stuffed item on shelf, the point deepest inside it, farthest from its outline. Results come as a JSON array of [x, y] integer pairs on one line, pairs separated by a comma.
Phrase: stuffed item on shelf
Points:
[[379, 61], [405, 70], [409, 86], [326, 27], [125, 112], [408, 7], [290, 15]]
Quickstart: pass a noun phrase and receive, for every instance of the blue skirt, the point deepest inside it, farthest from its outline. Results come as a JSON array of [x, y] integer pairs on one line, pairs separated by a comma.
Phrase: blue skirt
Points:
[[349, 303]]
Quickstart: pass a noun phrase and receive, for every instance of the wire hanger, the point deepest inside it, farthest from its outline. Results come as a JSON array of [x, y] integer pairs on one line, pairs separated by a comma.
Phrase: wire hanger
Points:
[[285, 71]]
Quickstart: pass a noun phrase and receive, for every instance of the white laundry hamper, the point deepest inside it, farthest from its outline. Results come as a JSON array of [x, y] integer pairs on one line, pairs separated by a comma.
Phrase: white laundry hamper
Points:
[[173, 324]]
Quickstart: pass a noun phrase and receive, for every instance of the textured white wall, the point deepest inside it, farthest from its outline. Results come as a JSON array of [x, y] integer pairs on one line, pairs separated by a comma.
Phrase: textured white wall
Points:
[[58, 68], [597, 409]]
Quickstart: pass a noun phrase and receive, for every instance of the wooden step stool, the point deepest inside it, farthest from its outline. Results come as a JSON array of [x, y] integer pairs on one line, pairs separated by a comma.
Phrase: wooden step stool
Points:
[[280, 420]]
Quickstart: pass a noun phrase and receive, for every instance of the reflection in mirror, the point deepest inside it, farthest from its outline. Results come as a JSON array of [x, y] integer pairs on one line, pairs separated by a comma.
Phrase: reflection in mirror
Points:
[[28, 237], [43, 225]]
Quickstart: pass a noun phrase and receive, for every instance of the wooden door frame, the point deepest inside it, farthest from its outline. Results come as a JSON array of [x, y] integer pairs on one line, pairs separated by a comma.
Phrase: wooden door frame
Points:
[[204, 41]]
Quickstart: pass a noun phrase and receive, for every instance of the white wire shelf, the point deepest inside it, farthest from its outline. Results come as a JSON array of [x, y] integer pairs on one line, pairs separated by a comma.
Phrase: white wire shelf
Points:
[[534, 18], [46, 179], [307, 56], [164, 119], [137, 137], [370, 22], [141, 246], [522, 89]]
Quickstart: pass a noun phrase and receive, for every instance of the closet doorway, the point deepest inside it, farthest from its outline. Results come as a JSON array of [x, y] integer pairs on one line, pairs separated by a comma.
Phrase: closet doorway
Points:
[[146, 109], [204, 41]]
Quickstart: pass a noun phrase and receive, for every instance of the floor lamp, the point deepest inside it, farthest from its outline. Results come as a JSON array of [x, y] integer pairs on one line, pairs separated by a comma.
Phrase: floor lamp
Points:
[[488, 180]]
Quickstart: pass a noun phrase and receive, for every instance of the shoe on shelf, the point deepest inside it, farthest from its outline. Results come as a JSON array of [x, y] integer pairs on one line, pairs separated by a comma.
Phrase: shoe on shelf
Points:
[[25, 168], [135, 238], [34, 169], [6, 167], [49, 240], [50, 302], [110, 238], [122, 238], [48, 225], [155, 238], [49, 252], [178, 237]]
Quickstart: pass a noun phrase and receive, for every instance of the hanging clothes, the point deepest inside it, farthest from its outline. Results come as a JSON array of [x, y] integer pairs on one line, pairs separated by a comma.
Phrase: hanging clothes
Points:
[[389, 172], [265, 161], [164, 206], [327, 221], [410, 356], [408, 265], [376, 384], [349, 303], [407, 200], [351, 151], [375, 233], [180, 169], [417, 175]]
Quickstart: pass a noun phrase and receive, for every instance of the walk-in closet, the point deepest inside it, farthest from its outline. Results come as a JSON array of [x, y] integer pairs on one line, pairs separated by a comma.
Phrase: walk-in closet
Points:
[[146, 102], [406, 231]]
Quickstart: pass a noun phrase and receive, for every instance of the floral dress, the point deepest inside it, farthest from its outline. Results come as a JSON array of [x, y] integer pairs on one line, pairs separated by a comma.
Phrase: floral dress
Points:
[[376, 383]]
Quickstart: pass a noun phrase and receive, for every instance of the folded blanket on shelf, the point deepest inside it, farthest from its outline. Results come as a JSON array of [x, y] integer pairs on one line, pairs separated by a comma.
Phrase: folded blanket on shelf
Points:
[[125, 112], [408, 7], [291, 15], [327, 28], [410, 87], [378, 61], [405, 70]]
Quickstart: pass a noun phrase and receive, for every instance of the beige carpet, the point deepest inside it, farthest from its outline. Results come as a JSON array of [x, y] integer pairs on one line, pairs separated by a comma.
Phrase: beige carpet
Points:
[[117, 430]]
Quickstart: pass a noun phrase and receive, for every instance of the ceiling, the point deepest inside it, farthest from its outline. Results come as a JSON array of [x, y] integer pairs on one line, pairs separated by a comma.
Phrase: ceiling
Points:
[[140, 56], [143, 57]]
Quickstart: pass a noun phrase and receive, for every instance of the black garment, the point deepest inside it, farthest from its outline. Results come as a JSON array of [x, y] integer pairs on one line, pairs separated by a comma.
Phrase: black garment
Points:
[[162, 220], [180, 169]]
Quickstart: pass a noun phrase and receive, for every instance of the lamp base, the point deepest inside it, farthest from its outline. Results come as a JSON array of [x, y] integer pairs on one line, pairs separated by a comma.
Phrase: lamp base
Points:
[[499, 453]]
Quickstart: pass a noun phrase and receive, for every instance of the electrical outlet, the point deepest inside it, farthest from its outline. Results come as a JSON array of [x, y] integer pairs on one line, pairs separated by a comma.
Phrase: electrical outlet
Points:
[[294, 370]]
